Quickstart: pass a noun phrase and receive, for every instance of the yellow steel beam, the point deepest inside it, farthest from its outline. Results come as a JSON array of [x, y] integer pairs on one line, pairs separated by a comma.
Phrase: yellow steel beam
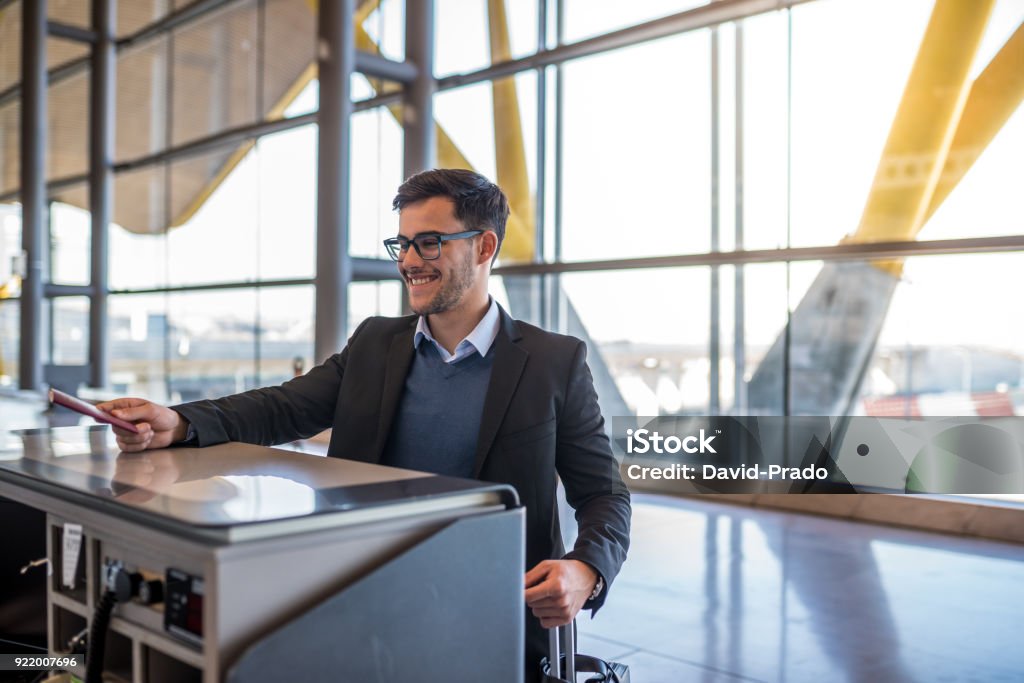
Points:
[[922, 132], [995, 95], [509, 147]]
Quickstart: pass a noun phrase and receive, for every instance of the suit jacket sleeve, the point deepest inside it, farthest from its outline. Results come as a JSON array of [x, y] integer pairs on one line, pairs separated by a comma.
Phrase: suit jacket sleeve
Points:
[[590, 474], [297, 409]]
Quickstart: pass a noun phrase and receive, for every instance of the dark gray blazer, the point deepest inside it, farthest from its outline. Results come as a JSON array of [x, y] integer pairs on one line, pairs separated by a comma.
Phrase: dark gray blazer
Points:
[[540, 417]]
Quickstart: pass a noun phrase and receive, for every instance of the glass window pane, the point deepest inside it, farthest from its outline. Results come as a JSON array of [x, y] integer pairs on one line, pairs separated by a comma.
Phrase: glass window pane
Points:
[[385, 27], [138, 241], [658, 362], [69, 340], [134, 15], [10, 146], [367, 299], [286, 333], [462, 43], [289, 62], [10, 338], [951, 345], [214, 76], [214, 217], [211, 343], [10, 246], [138, 346], [73, 12], [500, 143], [67, 141], [141, 99], [10, 46], [287, 204], [764, 134], [377, 151], [70, 244], [637, 165]]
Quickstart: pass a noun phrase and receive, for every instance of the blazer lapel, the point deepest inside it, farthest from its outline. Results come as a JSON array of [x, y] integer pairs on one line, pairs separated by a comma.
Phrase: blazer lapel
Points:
[[509, 361], [399, 358]]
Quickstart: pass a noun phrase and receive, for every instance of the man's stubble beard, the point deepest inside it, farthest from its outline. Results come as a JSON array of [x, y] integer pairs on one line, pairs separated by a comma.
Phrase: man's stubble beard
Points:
[[453, 289]]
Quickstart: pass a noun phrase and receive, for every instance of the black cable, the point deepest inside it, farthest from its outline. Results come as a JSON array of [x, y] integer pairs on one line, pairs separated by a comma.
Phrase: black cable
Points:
[[98, 637]]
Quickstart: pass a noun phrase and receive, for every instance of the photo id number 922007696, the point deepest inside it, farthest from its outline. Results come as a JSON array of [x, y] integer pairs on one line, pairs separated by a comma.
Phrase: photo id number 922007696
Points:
[[17, 662]]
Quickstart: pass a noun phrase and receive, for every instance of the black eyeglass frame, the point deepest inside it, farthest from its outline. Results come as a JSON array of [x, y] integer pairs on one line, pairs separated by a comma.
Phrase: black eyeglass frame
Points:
[[440, 236]]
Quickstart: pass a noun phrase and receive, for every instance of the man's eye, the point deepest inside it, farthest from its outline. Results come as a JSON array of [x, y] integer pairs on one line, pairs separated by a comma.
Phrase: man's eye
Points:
[[429, 242]]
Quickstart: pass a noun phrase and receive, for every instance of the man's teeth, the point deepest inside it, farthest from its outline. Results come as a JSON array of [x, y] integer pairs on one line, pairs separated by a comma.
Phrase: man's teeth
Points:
[[421, 280]]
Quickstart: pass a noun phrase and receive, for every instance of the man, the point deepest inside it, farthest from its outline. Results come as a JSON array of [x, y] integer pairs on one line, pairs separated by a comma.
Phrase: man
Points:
[[459, 389]]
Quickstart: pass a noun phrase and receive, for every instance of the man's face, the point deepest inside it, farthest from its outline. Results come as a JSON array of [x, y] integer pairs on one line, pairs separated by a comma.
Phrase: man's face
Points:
[[438, 285]]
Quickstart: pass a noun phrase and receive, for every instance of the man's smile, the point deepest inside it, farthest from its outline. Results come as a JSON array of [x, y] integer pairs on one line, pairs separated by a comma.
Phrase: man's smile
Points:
[[417, 281]]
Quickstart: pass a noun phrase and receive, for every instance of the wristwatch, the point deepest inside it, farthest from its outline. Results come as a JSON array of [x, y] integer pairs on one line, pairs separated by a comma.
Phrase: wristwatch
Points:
[[598, 587]]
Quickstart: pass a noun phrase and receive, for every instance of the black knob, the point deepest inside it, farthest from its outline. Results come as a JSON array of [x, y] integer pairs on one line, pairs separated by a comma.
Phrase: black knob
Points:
[[125, 584], [151, 592]]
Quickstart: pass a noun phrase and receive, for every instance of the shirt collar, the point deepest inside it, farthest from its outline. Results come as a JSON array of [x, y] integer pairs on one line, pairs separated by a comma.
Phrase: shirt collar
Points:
[[480, 339]]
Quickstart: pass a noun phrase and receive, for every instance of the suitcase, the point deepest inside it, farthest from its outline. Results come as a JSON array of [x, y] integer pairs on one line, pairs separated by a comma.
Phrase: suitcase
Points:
[[567, 665]]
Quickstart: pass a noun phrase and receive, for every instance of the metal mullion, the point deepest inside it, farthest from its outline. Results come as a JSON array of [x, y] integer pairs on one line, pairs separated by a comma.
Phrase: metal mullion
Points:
[[705, 16], [33, 188], [714, 330], [374, 66], [420, 142], [335, 30], [70, 32], [842, 252], [557, 297], [739, 286], [101, 181], [541, 152]]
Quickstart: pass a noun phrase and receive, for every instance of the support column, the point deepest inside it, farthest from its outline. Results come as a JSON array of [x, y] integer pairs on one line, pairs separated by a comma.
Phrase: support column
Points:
[[336, 60], [33, 189], [418, 101], [101, 181]]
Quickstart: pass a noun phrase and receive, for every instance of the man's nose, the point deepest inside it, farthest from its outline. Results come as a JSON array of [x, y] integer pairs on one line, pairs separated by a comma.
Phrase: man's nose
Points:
[[411, 258]]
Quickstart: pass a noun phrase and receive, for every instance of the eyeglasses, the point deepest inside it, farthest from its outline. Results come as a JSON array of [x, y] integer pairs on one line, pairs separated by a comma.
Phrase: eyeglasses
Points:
[[427, 244]]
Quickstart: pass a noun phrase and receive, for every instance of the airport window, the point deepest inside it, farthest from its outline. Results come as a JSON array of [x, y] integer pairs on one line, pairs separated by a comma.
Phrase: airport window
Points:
[[652, 168]]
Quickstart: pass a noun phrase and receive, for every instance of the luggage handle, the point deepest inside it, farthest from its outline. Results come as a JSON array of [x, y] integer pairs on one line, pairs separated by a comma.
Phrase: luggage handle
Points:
[[554, 651]]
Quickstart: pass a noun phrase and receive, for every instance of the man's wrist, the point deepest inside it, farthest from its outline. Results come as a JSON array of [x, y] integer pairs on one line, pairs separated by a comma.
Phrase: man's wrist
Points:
[[181, 432]]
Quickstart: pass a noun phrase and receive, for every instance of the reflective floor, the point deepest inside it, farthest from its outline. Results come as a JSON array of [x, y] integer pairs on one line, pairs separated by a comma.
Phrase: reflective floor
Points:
[[716, 592]]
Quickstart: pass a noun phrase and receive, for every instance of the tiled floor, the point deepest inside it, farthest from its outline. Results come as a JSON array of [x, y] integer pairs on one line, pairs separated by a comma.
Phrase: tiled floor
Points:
[[715, 592]]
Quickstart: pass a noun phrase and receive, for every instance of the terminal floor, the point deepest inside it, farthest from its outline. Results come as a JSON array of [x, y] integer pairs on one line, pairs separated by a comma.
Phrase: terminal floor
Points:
[[716, 592], [713, 592]]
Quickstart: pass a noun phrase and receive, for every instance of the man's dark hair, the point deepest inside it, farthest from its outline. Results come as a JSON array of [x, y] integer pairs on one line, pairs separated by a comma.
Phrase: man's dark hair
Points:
[[479, 203]]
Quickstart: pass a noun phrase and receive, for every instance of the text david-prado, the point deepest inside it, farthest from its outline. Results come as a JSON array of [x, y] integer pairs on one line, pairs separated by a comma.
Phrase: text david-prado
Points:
[[644, 441]]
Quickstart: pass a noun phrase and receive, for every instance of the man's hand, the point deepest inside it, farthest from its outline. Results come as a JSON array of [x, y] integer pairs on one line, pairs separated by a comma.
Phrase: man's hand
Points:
[[557, 589], [158, 426]]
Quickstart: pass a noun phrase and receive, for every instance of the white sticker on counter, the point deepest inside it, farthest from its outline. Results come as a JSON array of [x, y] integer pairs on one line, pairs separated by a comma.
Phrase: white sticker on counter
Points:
[[72, 548]]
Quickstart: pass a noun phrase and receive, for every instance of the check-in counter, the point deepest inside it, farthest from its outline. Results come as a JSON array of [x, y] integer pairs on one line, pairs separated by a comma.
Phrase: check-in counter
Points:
[[242, 563]]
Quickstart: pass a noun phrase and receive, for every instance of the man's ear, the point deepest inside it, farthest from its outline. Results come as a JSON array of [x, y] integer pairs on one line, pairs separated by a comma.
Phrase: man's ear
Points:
[[488, 245]]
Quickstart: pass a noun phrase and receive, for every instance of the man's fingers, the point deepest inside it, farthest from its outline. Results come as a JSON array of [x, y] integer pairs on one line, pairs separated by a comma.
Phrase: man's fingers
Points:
[[537, 574], [554, 623], [131, 414], [555, 601], [144, 434], [121, 403], [548, 590]]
